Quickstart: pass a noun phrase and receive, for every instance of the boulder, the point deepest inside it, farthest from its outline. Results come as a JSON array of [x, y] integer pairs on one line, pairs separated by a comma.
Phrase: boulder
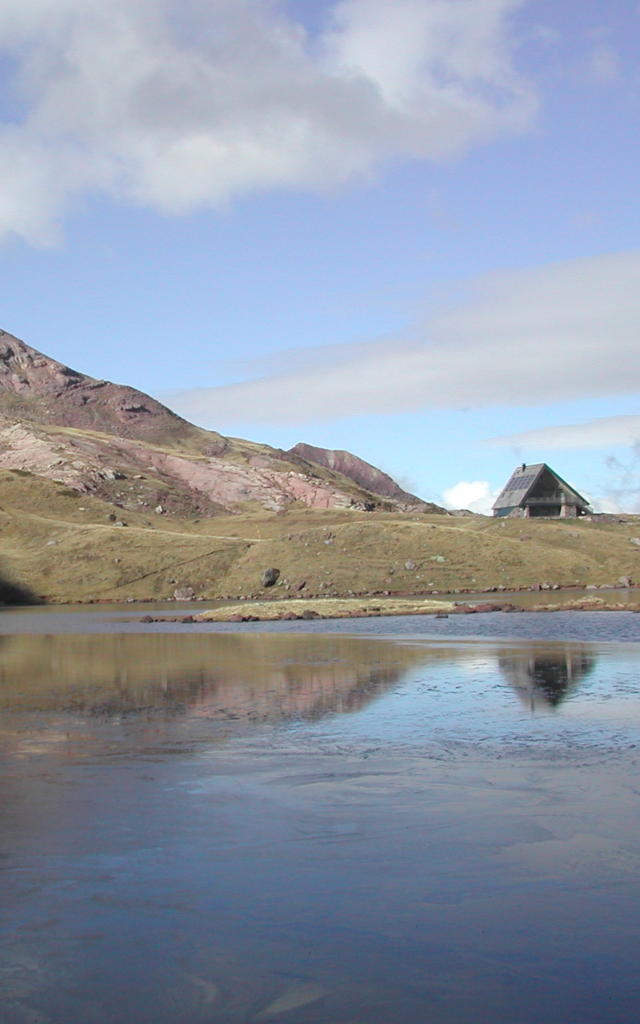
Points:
[[270, 577], [184, 594]]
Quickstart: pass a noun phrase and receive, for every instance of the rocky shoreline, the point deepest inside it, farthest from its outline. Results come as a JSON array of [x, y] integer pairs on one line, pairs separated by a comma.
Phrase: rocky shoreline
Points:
[[348, 608]]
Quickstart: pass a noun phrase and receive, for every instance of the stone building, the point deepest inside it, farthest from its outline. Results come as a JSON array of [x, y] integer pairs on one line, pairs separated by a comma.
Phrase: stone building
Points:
[[538, 491]]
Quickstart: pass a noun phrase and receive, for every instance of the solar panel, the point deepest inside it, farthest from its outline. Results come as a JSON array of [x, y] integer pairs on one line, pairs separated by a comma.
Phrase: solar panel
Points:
[[517, 483]]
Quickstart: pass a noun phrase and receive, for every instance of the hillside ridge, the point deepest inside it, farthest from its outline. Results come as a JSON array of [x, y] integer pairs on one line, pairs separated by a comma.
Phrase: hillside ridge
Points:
[[120, 444], [361, 472]]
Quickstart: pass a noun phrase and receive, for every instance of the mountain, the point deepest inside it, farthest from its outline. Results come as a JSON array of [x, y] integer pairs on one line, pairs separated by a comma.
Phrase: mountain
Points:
[[39, 389], [362, 473], [119, 444]]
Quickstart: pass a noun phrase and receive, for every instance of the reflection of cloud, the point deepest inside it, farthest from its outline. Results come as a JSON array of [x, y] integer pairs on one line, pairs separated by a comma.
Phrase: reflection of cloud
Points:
[[178, 106], [543, 677], [538, 336]]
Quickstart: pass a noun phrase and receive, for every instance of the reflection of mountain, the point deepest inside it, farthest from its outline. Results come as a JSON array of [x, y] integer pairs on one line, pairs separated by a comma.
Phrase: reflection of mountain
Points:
[[543, 676], [222, 677]]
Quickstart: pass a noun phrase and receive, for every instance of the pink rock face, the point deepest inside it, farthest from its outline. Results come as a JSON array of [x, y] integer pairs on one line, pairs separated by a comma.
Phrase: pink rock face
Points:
[[356, 469], [230, 484]]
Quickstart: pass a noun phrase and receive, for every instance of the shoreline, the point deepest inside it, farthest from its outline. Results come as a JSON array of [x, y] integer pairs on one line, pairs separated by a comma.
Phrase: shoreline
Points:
[[291, 610]]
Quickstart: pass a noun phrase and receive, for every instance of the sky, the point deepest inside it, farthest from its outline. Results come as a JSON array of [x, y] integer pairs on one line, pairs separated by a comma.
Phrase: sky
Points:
[[404, 228]]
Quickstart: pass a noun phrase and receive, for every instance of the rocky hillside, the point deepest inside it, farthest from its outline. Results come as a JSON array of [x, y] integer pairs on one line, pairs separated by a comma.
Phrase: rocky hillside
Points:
[[118, 444], [362, 473], [39, 389]]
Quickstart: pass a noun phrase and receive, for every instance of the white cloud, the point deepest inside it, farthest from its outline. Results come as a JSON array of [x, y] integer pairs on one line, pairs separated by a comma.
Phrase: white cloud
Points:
[[178, 104], [598, 433], [475, 495], [604, 65], [560, 332], [606, 505]]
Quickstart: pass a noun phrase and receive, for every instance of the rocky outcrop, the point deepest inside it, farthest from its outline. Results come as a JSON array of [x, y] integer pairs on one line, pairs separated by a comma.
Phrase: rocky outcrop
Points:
[[362, 473]]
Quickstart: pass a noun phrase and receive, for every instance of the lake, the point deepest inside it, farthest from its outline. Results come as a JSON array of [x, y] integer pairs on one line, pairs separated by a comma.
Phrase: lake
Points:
[[372, 821]]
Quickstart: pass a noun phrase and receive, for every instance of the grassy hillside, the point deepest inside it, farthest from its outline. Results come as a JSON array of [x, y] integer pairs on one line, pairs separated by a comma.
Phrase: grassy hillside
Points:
[[67, 547]]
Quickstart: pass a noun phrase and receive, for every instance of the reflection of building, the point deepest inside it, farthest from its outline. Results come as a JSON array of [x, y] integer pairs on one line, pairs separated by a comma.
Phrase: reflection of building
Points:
[[538, 491], [543, 677]]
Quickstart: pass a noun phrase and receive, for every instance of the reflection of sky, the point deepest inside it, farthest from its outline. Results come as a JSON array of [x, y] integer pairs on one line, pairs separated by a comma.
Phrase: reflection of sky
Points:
[[471, 700]]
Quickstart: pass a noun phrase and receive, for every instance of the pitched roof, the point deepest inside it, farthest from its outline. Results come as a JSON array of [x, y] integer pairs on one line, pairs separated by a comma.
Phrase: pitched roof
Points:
[[522, 482]]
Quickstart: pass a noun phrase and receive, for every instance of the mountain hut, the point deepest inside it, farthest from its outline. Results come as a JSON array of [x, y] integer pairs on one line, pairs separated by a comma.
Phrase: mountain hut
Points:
[[538, 491]]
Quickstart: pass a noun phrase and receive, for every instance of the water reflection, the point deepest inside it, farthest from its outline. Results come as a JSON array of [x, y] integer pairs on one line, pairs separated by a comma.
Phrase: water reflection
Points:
[[543, 678], [428, 859], [259, 678]]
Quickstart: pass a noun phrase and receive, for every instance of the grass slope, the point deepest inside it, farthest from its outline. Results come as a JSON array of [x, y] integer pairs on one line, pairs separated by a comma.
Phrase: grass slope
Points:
[[66, 547]]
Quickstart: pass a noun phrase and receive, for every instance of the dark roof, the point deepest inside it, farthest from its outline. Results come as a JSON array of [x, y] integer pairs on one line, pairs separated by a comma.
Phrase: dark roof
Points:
[[523, 481]]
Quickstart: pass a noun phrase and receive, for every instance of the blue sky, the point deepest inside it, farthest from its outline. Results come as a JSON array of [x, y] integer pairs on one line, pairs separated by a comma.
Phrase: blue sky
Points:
[[409, 229]]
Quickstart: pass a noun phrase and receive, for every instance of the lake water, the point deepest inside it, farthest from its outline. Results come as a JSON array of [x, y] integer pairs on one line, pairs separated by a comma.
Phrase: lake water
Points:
[[382, 821]]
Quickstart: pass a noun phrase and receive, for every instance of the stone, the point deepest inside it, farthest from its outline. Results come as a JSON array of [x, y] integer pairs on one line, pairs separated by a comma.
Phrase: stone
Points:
[[309, 613], [625, 581], [409, 565], [270, 577], [184, 594]]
